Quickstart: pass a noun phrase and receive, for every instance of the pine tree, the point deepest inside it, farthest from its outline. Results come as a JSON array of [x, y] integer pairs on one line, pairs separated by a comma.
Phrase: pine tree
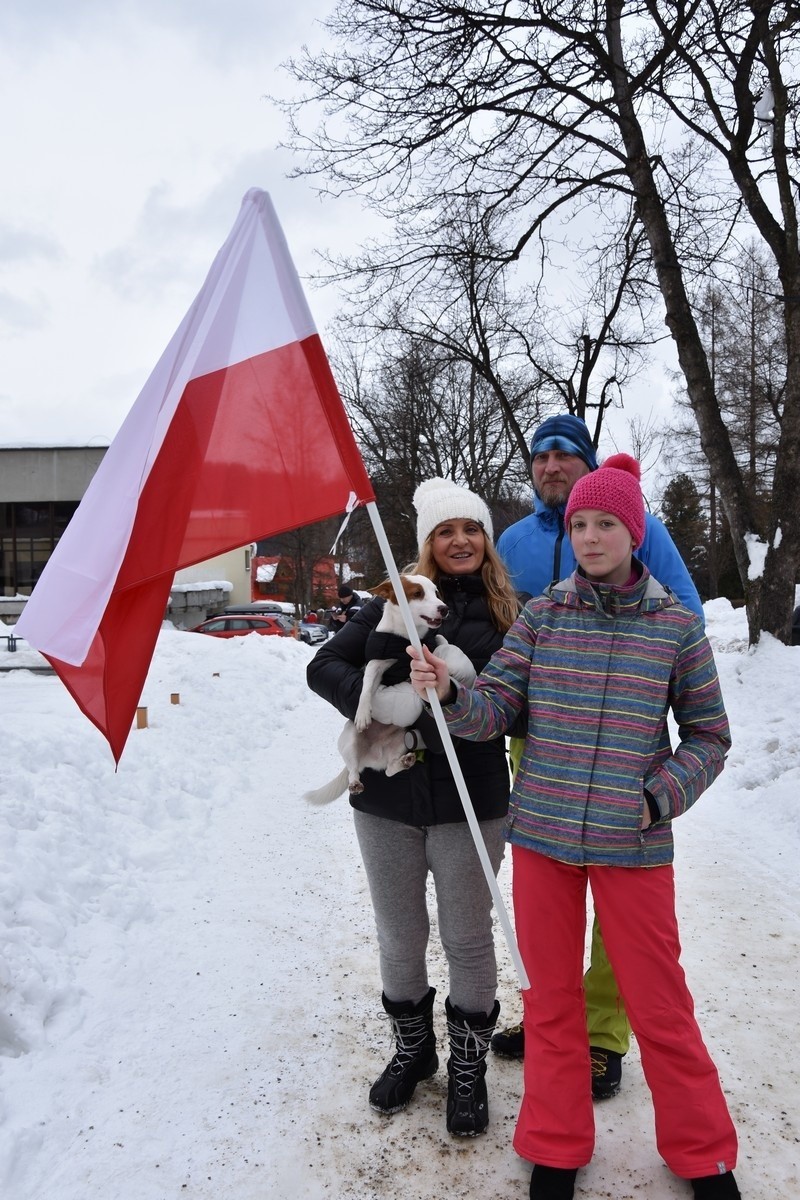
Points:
[[683, 515]]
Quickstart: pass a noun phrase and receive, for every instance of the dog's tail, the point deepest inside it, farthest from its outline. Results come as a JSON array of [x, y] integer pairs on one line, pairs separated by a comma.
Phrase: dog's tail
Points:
[[329, 791]]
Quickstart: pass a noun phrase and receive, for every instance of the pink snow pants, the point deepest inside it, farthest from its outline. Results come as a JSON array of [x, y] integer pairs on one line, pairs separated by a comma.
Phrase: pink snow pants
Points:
[[635, 908]]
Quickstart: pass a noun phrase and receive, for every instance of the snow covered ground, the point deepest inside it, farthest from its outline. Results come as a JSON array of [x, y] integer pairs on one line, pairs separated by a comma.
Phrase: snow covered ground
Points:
[[189, 983]]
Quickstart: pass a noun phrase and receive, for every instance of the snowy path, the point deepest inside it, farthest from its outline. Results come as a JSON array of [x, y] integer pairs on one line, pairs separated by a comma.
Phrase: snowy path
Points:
[[201, 960]]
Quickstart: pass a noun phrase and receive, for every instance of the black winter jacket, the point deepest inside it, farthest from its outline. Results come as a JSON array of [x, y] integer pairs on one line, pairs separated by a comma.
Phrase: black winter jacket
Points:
[[425, 794]]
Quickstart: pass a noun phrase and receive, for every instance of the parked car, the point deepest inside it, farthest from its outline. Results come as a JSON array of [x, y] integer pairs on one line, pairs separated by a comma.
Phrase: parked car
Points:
[[312, 632], [257, 608], [232, 626]]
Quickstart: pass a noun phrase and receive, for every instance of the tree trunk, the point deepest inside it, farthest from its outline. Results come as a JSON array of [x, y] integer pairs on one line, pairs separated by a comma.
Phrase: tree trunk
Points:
[[768, 599], [782, 564]]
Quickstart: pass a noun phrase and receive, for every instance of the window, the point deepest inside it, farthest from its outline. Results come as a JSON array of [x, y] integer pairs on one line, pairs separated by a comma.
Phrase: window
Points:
[[29, 533]]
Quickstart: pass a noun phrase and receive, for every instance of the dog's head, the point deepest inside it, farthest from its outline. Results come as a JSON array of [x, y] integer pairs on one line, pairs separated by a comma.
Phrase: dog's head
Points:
[[427, 609]]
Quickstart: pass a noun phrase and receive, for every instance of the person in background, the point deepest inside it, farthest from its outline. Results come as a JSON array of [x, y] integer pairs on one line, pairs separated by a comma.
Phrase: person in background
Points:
[[598, 662], [349, 605], [412, 825], [537, 552]]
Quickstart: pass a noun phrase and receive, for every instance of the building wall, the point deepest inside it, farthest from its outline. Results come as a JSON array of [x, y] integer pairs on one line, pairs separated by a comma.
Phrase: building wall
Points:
[[47, 473], [224, 579], [232, 567]]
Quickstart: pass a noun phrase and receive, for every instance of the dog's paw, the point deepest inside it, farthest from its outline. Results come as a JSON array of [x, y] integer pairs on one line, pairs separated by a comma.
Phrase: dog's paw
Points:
[[402, 763], [356, 788], [363, 718], [397, 705], [459, 666]]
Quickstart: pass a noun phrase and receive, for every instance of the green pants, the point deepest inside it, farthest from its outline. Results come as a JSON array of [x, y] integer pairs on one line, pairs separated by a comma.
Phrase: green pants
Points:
[[606, 1018]]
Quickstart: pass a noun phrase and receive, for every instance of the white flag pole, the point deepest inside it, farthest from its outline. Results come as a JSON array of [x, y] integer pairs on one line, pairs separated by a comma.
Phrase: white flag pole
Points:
[[449, 748]]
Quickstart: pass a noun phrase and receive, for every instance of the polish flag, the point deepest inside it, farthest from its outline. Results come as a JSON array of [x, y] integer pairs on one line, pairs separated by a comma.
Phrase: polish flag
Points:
[[238, 434]]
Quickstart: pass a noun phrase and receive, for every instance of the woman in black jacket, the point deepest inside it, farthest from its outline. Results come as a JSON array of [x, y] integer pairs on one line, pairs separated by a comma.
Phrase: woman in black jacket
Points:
[[413, 823]]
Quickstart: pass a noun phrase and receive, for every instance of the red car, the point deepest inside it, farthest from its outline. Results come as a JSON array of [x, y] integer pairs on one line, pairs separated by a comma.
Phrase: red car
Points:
[[228, 627]]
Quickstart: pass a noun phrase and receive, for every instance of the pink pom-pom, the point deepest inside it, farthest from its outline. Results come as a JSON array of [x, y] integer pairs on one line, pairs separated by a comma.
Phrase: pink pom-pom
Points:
[[624, 462]]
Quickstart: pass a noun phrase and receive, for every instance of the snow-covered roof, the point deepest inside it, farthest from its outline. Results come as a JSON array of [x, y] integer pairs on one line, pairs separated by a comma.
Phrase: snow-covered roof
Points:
[[203, 585]]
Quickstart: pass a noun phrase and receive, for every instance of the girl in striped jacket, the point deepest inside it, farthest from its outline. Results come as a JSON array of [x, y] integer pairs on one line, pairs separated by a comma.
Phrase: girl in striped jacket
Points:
[[598, 662]]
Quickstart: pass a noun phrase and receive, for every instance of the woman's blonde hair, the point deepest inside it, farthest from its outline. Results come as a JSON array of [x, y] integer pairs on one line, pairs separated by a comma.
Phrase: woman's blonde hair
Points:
[[500, 595]]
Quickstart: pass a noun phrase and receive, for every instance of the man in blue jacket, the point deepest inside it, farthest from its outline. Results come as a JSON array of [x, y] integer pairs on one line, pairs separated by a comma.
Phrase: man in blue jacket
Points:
[[537, 552]]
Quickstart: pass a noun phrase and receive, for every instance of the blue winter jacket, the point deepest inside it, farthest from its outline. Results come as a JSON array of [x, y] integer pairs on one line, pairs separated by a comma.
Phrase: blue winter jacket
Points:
[[537, 552]]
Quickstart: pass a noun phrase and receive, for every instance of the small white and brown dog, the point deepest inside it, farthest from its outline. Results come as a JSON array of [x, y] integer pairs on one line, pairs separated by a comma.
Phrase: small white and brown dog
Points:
[[376, 738]]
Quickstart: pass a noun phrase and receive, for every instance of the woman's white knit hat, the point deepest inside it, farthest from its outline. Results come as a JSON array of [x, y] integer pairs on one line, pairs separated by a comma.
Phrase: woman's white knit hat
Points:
[[438, 500]]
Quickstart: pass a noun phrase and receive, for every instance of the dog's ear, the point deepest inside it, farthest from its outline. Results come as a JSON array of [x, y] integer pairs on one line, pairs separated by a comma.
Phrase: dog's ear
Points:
[[415, 591], [384, 589]]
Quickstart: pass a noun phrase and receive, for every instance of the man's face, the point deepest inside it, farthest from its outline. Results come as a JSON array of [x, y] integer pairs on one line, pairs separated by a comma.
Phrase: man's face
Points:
[[555, 473]]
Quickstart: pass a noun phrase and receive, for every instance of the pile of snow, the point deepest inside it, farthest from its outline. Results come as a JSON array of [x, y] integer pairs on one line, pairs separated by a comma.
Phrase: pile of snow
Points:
[[189, 982]]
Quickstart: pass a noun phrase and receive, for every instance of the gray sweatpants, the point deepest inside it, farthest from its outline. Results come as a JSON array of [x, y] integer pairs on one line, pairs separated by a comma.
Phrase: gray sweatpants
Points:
[[397, 859]]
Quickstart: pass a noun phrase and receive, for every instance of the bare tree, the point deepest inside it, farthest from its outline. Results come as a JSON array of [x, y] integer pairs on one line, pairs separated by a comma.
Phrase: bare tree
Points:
[[645, 441], [304, 549], [555, 113], [744, 339], [749, 353], [535, 353]]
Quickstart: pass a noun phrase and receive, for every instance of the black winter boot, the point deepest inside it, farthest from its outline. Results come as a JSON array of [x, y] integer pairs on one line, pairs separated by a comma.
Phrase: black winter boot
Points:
[[606, 1072], [553, 1183], [510, 1042], [467, 1102], [716, 1187], [415, 1057]]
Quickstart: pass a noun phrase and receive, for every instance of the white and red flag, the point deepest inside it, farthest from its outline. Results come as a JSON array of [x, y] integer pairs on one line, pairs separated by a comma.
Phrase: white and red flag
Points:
[[238, 434]]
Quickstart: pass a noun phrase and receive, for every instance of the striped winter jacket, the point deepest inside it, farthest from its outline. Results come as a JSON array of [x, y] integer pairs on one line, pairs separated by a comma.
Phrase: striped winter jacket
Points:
[[598, 667]]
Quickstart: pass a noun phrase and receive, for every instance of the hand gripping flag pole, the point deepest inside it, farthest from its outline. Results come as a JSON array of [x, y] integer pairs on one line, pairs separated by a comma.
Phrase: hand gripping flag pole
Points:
[[447, 741]]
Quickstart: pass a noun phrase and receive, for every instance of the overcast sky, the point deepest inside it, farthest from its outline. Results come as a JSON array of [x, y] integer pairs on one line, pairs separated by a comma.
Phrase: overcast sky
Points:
[[130, 133]]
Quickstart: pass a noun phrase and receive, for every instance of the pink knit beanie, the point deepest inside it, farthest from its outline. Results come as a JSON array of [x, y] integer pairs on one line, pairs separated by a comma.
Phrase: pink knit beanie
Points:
[[612, 488]]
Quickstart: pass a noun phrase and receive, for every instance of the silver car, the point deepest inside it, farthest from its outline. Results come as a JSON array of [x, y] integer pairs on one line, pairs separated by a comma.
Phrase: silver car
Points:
[[312, 632]]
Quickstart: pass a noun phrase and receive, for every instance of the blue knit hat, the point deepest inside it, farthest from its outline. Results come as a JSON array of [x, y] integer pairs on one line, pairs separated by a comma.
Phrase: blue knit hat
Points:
[[566, 433]]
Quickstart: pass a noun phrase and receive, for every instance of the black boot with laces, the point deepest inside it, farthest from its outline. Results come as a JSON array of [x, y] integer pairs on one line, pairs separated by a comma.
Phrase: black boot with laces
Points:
[[414, 1058], [606, 1072], [467, 1100], [510, 1042]]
